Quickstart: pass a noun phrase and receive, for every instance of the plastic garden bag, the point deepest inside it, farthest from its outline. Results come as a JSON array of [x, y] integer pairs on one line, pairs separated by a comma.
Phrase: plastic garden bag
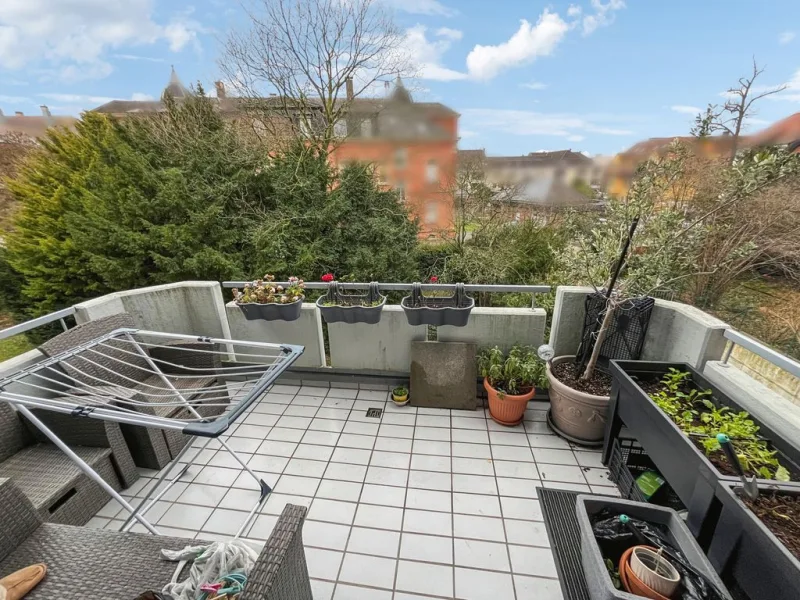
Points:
[[614, 536]]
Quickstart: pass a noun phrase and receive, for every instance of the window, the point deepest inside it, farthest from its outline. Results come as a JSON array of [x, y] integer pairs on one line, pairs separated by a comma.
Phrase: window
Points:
[[340, 128], [366, 128], [432, 212], [432, 171], [400, 158], [401, 189]]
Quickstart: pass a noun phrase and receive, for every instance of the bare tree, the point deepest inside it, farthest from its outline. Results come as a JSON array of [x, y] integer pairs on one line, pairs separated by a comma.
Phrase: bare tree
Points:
[[301, 63], [730, 117]]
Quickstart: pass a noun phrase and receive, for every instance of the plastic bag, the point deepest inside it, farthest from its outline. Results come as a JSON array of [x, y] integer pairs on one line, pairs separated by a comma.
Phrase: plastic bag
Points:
[[614, 537]]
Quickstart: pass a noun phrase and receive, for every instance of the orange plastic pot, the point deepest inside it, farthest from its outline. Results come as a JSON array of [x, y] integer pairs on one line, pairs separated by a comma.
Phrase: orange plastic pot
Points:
[[631, 582], [504, 408]]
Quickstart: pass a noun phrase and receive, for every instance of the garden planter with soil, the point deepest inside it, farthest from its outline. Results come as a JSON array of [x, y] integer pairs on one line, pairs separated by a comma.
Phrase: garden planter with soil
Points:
[[595, 552], [679, 458], [263, 299], [745, 549], [338, 307], [254, 311], [578, 415], [507, 409], [437, 310]]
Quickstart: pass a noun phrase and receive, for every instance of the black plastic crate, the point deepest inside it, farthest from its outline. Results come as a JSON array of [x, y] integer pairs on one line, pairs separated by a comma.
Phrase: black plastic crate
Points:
[[628, 461]]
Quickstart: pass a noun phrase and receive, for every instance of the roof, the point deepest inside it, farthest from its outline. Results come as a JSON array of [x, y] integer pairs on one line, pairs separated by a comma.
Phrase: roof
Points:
[[478, 154], [535, 159], [175, 87], [32, 126]]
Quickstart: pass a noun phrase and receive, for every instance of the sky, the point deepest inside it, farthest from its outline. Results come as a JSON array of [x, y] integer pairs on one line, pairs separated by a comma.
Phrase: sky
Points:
[[592, 75]]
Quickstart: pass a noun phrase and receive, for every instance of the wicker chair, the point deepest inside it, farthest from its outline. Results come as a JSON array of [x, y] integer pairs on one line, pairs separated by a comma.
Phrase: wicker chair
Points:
[[57, 489], [93, 564], [151, 448]]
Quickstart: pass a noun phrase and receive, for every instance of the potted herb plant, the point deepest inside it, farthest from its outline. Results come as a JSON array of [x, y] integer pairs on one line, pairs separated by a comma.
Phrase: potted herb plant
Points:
[[337, 306], [400, 395], [423, 309], [510, 381], [264, 299]]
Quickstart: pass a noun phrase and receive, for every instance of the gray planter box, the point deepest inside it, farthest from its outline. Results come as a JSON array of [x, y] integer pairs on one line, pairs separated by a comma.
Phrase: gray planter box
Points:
[[598, 582], [253, 311], [453, 310], [348, 307]]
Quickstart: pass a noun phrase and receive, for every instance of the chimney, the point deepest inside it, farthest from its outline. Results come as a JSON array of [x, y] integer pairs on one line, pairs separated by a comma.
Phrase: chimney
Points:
[[19, 113], [45, 111], [220, 90], [2, 116], [349, 84]]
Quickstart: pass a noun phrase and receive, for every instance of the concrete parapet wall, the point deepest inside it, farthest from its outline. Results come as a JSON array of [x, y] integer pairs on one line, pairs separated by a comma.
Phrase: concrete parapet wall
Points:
[[503, 327]]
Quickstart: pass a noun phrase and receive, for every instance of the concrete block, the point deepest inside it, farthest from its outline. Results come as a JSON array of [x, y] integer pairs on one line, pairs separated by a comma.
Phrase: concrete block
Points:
[[443, 375], [772, 409], [193, 307], [567, 323], [385, 346], [305, 331], [503, 327]]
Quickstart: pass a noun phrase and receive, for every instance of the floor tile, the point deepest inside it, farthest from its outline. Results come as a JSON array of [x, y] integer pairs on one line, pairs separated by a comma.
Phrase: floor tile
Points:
[[202, 495], [297, 410], [437, 434], [396, 431], [383, 495], [277, 448], [262, 527], [303, 399], [339, 490], [526, 560], [481, 585], [97, 523], [520, 488], [320, 438], [264, 420], [252, 431], [111, 509], [277, 502], [225, 521], [475, 504], [514, 453], [428, 500], [332, 413], [334, 511], [521, 508], [323, 564], [424, 578], [216, 476], [300, 486], [437, 412], [581, 488], [528, 533], [376, 542], [379, 517], [507, 439], [269, 408], [475, 484], [424, 420], [329, 425], [424, 521], [473, 466], [505, 468], [597, 476], [284, 433], [605, 490], [473, 436], [304, 467], [275, 398], [281, 388], [268, 464], [247, 445], [427, 548], [469, 423], [396, 460], [554, 456], [392, 444], [361, 428], [351, 440], [430, 480], [435, 448], [340, 398], [427, 462], [184, 516], [481, 554], [331, 536], [322, 590], [385, 476], [480, 528], [313, 452], [374, 395], [353, 456], [346, 472], [539, 440], [563, 473], [535, 588], [589, 459], [352, 592], [470, 450], [399, 419], [237, 499], [368, 570]]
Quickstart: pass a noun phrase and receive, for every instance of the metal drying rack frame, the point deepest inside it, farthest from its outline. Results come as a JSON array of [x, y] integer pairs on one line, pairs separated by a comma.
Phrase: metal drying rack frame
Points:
[[68, 374]]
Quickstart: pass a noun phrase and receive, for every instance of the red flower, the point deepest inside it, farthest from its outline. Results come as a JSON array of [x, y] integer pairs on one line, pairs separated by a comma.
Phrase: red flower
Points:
[[328, 277], [434, 279]]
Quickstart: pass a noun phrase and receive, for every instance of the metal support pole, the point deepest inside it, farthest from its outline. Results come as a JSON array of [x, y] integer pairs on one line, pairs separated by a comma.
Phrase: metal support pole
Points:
[[83, 466], [727, 353]]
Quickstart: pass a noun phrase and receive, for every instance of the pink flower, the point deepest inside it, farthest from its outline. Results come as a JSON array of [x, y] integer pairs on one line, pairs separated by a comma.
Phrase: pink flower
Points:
[[434, 279], [328, 277]]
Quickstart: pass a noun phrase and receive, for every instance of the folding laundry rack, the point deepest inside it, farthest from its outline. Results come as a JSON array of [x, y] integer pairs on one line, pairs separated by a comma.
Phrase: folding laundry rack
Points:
[[89, 382]]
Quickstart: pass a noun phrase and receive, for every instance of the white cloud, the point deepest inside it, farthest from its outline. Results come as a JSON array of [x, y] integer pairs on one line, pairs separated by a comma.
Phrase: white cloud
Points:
[[534, 85], [137, 57], [525, 46], [603, 15], [427, 54], [575, 138], [89, 101], [70, 40], [467, 133], [574, 11], [449, 33], [423, 7], [523, 122], [14, 99], [140, 97], [684, 109], [786, 37], [790, 94]]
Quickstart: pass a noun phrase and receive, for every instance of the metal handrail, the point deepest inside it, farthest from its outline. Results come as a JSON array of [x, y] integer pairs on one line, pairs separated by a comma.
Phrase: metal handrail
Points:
[[776, 358], [38, 322], [403, 287]]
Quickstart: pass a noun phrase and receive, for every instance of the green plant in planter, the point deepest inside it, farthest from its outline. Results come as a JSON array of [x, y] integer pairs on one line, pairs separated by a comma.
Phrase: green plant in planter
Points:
[[514, 373], [692, 411], [400, 391], [265, 291]]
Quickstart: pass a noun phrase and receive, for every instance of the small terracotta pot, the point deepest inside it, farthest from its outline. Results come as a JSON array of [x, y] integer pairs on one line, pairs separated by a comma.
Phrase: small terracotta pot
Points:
[[504, 408], [631, 582]]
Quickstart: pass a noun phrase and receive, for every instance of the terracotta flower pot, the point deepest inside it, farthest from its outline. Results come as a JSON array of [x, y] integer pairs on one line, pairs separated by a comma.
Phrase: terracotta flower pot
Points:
[[631, 582], [504, 408], [577, 416]]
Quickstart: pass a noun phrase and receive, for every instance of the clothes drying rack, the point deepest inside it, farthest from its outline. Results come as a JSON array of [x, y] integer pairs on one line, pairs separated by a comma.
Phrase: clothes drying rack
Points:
[[85, 382]]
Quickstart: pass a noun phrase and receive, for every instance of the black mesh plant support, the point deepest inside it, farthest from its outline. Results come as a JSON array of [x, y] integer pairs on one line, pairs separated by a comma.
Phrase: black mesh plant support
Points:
[[625, 337]]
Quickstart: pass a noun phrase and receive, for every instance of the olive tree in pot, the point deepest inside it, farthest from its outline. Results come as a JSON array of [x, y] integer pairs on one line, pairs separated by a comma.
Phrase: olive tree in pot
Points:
[[642, 246], [510, 381]]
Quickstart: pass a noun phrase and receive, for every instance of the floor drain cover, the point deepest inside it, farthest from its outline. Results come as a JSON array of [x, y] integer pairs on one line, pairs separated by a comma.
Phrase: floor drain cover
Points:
[[374, 413]]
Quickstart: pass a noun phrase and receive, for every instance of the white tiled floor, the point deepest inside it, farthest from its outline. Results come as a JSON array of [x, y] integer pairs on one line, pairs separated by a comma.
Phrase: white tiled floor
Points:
[[422, 503]]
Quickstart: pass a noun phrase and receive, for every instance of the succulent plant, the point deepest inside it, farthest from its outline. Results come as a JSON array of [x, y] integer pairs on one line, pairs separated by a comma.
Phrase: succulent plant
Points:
[[265, 291]]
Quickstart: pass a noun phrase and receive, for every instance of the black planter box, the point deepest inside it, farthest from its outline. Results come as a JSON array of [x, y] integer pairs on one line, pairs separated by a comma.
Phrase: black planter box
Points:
[[342, 312], [598, 582], [253, 311], [692, 476], [423, 310], [747, 554]]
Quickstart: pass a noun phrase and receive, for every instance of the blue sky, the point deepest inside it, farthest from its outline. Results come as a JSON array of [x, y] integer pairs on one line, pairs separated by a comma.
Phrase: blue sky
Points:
[[591, 75]]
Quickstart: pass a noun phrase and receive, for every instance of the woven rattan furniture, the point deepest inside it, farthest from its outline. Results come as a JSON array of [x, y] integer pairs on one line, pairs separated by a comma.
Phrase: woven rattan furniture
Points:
[[151, 448], [92, 564], [58, 490]]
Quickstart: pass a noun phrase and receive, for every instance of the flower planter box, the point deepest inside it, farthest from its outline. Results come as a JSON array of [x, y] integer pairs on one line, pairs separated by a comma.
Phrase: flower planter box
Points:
[[254, 311], [747, 554], [348, 308], [453, 310], [598, 582], [693, 477]]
